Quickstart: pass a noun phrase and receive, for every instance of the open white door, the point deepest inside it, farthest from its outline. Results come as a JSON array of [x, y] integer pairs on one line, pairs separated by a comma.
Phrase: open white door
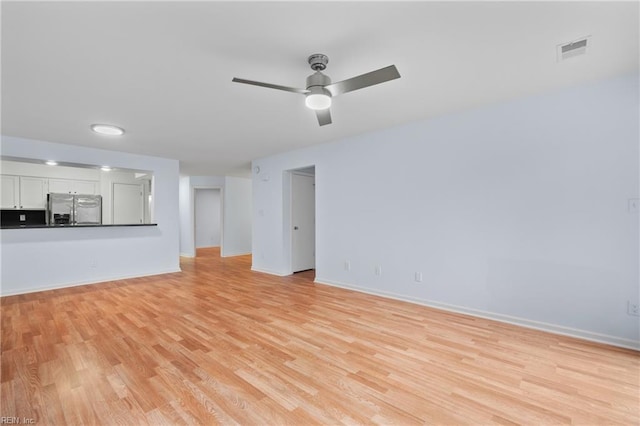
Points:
[[128, 204], [303, 221]]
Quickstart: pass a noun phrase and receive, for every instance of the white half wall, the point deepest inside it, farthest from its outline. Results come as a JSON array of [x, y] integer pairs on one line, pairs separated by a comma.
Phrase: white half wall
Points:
[[40, 259], [517, 211]]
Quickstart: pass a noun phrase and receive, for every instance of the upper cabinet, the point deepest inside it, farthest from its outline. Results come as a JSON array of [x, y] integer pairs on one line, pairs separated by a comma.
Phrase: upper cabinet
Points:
[[33, 192], [69, 186], [23, 192], [10, 194], [86, 187], [30, 192]]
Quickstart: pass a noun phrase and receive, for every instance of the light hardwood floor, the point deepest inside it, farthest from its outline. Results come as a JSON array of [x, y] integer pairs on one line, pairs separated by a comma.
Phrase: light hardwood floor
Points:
[[219, 344]]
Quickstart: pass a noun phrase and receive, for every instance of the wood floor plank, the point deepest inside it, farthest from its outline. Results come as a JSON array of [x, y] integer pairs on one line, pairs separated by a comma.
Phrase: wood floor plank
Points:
[[220, 344]]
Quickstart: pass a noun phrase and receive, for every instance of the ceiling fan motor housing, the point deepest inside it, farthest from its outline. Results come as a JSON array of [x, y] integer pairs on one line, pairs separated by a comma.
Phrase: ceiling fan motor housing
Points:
[[317, 79]]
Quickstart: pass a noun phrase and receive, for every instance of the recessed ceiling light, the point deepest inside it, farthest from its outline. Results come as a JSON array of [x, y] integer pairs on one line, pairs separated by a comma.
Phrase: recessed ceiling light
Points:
[[50, 163], [107, 129], [105, 168]]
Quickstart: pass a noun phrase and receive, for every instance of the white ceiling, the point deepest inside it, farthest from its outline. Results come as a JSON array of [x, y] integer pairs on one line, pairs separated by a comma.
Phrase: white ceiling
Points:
[[163, 70]]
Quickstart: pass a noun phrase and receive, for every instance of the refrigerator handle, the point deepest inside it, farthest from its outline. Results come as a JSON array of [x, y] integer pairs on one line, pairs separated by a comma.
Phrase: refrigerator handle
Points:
[[72, 217]]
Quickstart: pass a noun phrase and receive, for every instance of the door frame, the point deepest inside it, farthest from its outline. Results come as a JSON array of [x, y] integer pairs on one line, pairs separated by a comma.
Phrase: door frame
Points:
[[288, 213], [193, 216]]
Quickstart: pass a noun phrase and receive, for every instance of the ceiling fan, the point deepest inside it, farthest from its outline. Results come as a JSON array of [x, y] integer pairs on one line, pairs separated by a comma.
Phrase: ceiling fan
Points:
[[320, 90]]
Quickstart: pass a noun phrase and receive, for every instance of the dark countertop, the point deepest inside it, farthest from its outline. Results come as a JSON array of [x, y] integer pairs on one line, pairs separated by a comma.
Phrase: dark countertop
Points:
[[71, 226]]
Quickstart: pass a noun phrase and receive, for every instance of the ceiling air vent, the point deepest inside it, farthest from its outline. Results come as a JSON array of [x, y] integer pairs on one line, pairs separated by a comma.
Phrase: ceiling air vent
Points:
[[572, 49]]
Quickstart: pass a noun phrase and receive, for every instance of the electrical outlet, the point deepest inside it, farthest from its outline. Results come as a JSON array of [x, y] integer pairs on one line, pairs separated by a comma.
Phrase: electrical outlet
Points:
[[347, 265], [633, 308], [418, 277], [378, 270]]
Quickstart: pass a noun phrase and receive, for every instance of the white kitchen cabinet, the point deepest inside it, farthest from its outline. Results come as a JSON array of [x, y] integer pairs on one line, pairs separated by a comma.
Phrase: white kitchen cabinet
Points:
[[24, 192], [10, 195], [70, 186], [61, 186], [86, 187], [33, 192]]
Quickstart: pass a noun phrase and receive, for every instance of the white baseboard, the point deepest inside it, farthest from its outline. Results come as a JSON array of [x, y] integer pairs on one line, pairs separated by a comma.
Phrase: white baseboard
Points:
[[234, 254], [80, 283], [523, 322], [187, 255], [270, 272]]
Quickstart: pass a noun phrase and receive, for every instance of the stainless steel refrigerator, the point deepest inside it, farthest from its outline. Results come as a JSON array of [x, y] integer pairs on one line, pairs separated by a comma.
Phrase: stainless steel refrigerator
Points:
[[74, 209]]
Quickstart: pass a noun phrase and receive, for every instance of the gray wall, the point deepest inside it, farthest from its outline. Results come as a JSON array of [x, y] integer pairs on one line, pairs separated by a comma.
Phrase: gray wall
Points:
[[515, 211]]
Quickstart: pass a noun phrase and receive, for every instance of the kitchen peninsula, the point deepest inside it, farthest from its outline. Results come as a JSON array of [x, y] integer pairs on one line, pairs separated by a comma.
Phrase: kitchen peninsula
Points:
[[40, 226]]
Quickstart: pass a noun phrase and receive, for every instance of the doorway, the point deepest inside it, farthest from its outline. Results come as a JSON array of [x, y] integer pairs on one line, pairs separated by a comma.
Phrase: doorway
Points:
[[207, 217], [303, 219], [127, 204]]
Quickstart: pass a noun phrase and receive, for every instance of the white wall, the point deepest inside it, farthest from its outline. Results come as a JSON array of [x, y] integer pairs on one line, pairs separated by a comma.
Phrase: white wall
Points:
[[236, 216], [38, 259], [187, 239], [515, 211], [207, 217]]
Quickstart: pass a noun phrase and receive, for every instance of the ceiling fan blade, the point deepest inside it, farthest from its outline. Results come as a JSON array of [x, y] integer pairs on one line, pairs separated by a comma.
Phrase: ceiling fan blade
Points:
[[270, 86], [324, 116], [364, 80]]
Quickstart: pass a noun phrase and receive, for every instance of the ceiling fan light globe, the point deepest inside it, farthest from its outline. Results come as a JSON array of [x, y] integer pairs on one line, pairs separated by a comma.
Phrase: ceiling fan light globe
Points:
[[317, 101]]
